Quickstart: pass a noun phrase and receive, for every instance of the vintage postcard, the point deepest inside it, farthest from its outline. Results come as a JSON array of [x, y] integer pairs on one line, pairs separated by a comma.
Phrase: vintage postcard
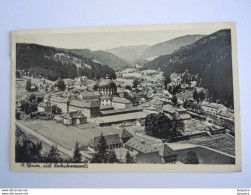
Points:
[[158, 98]]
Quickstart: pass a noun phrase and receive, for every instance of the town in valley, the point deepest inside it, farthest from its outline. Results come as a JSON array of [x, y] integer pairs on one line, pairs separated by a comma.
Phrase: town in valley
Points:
[[160, 109]]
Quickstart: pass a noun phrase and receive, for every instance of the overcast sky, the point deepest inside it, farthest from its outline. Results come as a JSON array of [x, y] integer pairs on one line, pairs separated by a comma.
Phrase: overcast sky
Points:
[[105, 40]]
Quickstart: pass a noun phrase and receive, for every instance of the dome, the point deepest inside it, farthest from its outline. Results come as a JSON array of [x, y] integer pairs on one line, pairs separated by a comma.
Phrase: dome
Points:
[[107, 83]]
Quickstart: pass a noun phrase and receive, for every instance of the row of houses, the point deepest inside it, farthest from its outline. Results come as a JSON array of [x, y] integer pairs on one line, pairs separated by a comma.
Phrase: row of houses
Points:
[[145, 153], [159, 153]]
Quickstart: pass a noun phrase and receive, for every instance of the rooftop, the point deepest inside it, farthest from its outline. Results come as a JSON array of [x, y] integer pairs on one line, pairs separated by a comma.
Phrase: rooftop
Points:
[[87, 95], [74, 114], [121, 117], [149, 158], [121, 110], [120, 100], [169, 108], [110, 140]]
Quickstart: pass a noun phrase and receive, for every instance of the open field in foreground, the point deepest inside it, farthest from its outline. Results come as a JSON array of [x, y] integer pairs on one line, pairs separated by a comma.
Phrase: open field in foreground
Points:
[[65, 136], [206, 156], [221, 142]]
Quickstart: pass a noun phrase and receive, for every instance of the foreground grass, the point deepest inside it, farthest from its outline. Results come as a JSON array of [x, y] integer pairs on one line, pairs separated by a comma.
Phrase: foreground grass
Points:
[[221, 142]]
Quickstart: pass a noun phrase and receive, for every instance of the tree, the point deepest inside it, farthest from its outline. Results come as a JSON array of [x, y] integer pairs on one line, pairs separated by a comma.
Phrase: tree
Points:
[[174, 100], [178, 125], [28, 85], [28, 151], [201, 96], [39, 99], [53, 156], [32, 97], [31, 108], [135, 82], [128, 87], [129, 158], [56, 110], [77, 156], [160, 126], [191, 158], [18, 74], [60, 84], [167, 81], [98, 76], [112, 157], [18, 115], [113, 75], [101, 156], [95, 87], [135, 100], [196, 96], [176, 89]]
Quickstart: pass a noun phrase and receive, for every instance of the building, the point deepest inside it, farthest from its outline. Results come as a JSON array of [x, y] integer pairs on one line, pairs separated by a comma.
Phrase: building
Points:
[[107, 87], [149, 72], [177, 113], [90, 108], [119, 102], [212, 108], [118, 119], [106, 107], [106, 100], [120, 111], [112, 141], [90, 95], [149, 158], [160, 153], [44, 107], [185, 96], [71, 118]]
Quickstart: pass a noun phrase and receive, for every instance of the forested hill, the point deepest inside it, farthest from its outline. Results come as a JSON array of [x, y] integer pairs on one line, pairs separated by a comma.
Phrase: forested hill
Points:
[[103, 57], [210, 58], [52, 62]]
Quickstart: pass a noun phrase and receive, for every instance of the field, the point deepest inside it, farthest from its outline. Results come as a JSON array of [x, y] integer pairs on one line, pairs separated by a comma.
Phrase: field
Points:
[[221, 142], [20, 88], [62, 135], [206, 156], [46, 147], [194, 126]]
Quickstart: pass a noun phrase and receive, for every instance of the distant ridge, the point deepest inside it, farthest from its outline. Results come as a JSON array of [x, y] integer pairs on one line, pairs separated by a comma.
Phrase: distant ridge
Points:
[[129, 53], [167, 47]]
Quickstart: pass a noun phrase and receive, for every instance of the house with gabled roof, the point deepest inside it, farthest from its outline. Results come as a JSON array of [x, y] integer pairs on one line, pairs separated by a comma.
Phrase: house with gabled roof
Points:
[[119, 102], [112, 141], [160, 152], [149, 158], [90, 95], [75, 117]]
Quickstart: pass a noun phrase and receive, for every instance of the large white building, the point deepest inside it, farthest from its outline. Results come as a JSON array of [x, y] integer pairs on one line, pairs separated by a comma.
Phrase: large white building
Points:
[[119, 102], [107, 89]]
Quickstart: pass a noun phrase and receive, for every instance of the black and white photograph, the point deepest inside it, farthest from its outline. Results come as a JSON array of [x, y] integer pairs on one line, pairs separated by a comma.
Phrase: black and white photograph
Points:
[[158, 98]]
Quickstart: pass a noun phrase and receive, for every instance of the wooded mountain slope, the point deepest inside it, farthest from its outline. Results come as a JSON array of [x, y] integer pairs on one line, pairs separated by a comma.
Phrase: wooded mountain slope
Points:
[[210, 58]]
